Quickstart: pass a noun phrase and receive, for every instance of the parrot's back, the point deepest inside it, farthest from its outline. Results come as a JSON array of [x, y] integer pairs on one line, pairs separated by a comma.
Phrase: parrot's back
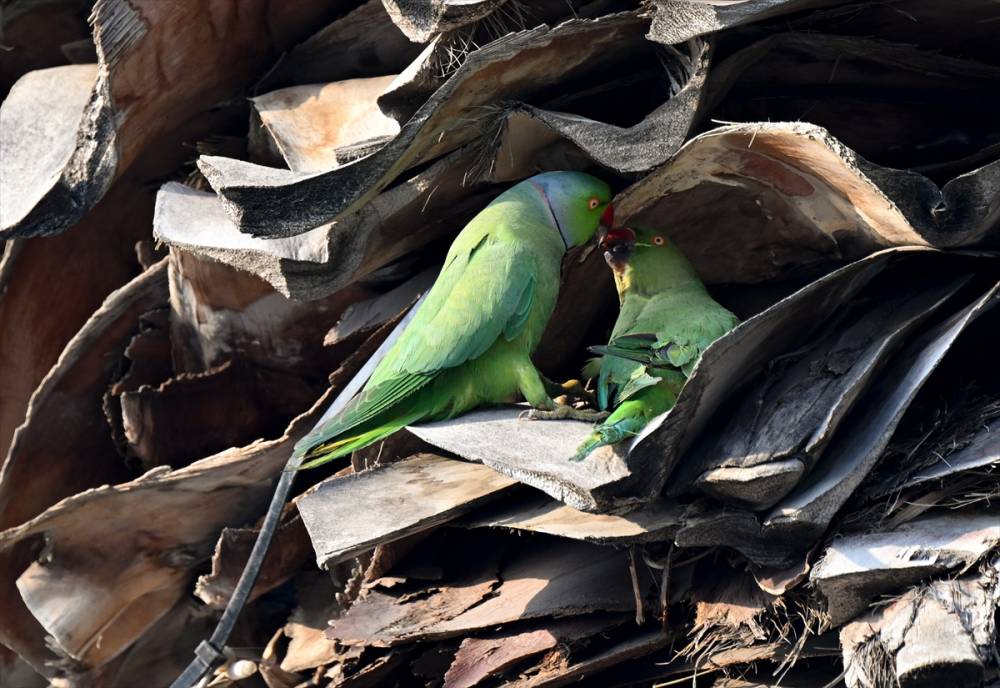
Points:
[[471, 336], [667, 319]]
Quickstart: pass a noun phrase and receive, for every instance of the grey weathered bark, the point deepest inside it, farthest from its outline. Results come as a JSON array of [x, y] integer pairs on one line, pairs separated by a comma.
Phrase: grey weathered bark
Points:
[[830, 168]]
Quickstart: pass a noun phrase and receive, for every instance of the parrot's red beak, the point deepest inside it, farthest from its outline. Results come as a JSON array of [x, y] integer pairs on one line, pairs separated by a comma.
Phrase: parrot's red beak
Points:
[[617, 244], [617, 236], [608, 217]]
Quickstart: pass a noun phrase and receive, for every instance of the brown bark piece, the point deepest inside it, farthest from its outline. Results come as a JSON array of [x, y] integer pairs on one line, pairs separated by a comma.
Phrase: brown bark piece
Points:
[[539, 514], [289, 552], [170, 60], [793, 176], [193, 416], [729, 611], [318, 604], [219, 313], [123, 581], [478, 659], [374, 674], [54, 285], [148, 354], [400, 499], [565, 579], [561, 579], [43, 464], [564, 672], [942, 632], [308, 124], [856, 569], [381, 620]]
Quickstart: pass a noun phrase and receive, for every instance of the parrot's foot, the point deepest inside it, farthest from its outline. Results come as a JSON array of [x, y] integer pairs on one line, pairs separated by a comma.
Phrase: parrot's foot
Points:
[[564, 412], [570, 392]]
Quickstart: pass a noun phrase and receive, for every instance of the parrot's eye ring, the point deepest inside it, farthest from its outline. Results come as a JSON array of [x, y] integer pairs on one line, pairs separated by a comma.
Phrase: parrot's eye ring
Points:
[[593, 203], [658, 240]]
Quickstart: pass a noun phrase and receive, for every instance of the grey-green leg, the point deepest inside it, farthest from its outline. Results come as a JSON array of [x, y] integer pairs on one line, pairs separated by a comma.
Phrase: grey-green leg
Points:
[[532, 387], [564, 412]]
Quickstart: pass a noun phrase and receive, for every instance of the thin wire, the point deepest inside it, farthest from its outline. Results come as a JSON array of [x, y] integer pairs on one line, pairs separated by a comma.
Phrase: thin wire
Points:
[[210, 651]]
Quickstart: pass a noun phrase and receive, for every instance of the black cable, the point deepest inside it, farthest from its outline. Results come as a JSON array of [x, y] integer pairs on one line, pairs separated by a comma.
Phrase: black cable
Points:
[[209, 651]]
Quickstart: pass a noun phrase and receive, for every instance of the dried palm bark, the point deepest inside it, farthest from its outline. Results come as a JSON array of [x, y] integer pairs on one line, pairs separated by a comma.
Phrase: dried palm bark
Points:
[[35, 331], [818, 505], [543, 55], [40, 34], [163, 62], [41, 467]]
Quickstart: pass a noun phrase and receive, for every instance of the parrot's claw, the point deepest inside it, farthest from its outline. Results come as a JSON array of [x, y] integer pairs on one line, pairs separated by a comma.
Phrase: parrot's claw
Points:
[[563, 412], [570, 392]]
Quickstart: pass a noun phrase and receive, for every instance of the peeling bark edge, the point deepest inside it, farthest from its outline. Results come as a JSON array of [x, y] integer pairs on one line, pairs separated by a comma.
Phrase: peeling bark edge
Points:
[[86, 176], [421, 21], [152, 280], [257, 198], [675, 21], [117, 28]]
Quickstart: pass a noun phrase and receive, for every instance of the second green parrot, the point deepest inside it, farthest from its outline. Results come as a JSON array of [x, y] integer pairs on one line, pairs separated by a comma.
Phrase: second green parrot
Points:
[[667, 319], [471, 339]]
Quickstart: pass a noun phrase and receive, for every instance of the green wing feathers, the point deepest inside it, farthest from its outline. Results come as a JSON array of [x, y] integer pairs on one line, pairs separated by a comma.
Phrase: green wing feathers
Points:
[[477, 298], [636, 347], [485, 292], [654, 347]]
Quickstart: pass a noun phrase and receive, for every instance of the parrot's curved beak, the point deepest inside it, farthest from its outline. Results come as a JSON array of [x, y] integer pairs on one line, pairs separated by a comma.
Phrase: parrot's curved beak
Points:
[[618, 244], [602, 234], [608, 217], [607, 222]]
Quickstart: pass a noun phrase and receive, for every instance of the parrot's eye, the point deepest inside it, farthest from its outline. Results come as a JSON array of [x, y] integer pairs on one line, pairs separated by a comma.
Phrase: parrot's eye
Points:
[[593, 203], [658, 240]]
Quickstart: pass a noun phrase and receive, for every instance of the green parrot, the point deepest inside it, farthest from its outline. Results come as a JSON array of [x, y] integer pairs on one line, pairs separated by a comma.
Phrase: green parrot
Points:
[[667, 320], [471, 339]]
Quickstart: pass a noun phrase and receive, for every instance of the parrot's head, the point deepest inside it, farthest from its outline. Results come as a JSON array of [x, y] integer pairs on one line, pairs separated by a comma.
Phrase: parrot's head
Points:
[[618, 244], [644, 259], [578, 203]]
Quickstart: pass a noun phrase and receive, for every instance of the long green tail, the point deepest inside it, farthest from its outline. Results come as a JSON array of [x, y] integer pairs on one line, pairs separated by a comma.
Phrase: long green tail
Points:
[[609, 432], [325, 453], [328, 451], [632, 415]]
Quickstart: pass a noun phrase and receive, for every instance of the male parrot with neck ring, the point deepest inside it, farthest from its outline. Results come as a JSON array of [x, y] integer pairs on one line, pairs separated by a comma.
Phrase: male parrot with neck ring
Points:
[[667, 319], [470, 341]]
